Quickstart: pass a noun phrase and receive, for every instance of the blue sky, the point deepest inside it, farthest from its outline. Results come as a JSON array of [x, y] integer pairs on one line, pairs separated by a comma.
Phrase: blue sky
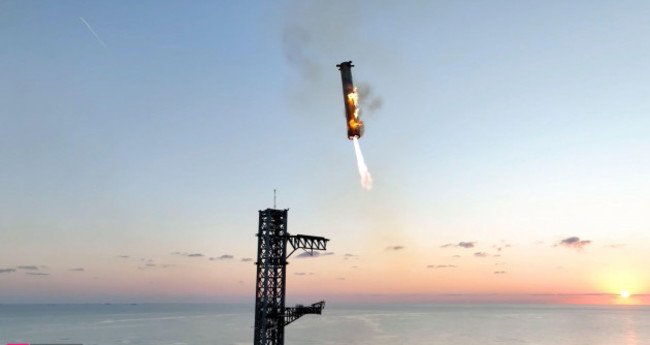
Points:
[[522, 122]]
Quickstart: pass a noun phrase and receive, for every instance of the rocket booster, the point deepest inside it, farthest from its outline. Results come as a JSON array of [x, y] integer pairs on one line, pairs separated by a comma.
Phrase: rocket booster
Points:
[[350, 99]]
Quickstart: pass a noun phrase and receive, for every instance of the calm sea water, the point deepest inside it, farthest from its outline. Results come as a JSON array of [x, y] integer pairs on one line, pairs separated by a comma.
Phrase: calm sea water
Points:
[[202, 324]]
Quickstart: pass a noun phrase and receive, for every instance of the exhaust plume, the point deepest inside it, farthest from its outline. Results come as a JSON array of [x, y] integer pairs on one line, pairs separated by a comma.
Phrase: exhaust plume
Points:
[[93, 31], [366, 178], [367, 99]]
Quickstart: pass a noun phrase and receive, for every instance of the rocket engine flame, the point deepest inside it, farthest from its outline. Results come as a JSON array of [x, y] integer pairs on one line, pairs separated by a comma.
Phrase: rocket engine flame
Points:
[[366, 178], [355, 126], [353, 99]]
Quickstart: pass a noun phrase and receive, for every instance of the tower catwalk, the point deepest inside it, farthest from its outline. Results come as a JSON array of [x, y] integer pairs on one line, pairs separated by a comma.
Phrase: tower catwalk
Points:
[[270, 313]]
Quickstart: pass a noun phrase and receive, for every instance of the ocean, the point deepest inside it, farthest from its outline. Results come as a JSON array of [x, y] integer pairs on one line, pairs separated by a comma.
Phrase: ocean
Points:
[[378, 324]]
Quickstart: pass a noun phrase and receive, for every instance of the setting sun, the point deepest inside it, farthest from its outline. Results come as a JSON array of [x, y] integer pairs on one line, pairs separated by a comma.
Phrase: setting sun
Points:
[[625, 294]]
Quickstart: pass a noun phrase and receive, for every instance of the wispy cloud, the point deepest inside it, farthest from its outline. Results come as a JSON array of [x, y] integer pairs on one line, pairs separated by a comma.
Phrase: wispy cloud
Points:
[[37, 274], [394, 248], [28, 267], [614, 246], [308, 255], [501, 246], [78, 269], [500, 272], [573, 242], [123, 256], [459, 244], [189, 255], [7, 270], [93, 32], [314, 254], [441, 266], [223, 257], [349, 256], [300, 274], [481, 254], [246, 259]]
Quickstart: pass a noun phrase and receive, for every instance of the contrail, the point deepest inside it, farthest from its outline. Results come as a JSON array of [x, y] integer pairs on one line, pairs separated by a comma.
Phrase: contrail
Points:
[[93, 32], [366, 178]]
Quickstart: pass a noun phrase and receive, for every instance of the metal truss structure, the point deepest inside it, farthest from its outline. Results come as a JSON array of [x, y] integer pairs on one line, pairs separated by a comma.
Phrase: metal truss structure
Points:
[[271, 315]]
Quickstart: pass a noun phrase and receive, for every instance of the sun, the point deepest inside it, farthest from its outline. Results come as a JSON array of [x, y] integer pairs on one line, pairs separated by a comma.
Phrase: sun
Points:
[[625, 294]]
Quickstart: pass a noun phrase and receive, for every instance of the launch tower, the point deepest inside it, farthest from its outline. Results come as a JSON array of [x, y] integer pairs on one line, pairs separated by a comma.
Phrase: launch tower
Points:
[[273, 243]]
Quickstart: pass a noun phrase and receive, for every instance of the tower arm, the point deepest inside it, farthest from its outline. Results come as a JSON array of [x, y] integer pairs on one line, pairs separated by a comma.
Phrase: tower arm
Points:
[[293, 314], [307, 242]]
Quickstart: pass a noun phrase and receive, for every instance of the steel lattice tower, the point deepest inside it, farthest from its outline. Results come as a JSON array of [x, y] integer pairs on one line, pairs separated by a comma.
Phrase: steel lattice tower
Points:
[[270, 313]]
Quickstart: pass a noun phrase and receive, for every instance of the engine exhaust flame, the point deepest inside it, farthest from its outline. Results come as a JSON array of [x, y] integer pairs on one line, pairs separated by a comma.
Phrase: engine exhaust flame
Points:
[[353, 99], [366, 178], [355, 126]]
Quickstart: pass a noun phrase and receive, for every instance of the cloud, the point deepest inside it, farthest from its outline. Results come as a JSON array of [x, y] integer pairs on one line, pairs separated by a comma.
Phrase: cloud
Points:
[[189, 255], [394, 248], [327, 253], [7, 270], [166, 265], [150, 265], [246, 259], [30, 267], [502, 246], [349, 256], [481, 254], [78, 269], [500, 272], [573, 242], [459, 244], [614, 246], [123, 256], [300, 273], [441, 266], [308, 255], [455, 256], [37, 274], [223, 257]]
